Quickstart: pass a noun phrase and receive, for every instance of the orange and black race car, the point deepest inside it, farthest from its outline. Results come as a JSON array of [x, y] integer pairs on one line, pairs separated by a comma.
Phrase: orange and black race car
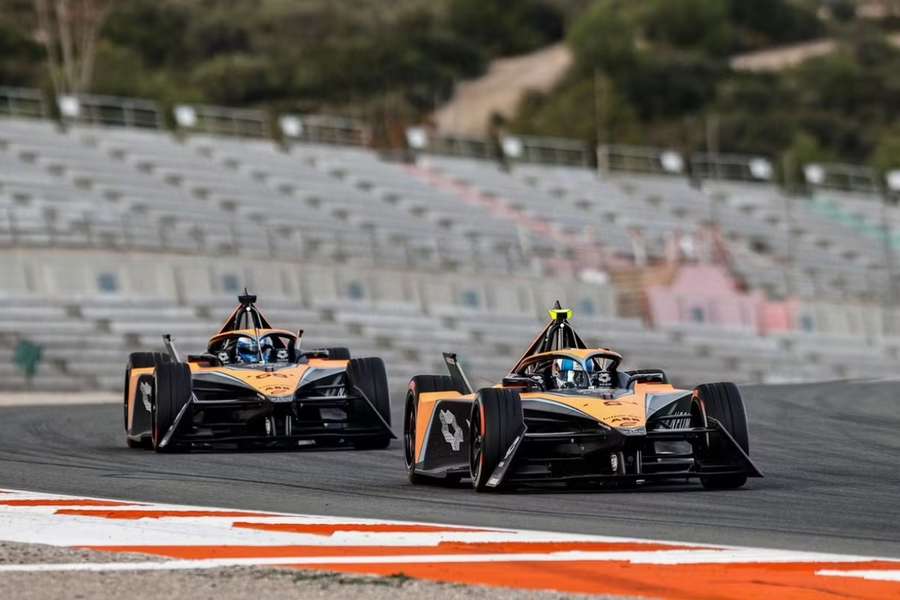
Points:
[[255, 385], [566, 413]]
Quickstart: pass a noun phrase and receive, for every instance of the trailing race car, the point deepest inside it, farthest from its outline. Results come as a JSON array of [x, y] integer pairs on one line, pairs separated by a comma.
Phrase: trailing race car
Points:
[[566, 413], [255, 385]]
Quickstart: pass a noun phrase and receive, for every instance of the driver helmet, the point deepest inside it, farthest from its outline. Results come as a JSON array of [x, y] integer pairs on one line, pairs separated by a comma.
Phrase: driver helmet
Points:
[[568, 373], [267, 349], [247, 350]]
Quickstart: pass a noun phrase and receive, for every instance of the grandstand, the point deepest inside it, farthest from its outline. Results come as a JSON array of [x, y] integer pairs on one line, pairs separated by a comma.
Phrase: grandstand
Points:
[[111, 235]]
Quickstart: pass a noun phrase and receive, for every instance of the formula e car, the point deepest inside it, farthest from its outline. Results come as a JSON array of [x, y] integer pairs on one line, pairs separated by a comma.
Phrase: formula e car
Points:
[[255, 385], [566, 413]]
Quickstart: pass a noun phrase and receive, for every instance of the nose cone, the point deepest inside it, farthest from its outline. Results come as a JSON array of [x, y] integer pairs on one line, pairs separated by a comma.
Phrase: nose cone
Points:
[[623, 413], [277, 382]]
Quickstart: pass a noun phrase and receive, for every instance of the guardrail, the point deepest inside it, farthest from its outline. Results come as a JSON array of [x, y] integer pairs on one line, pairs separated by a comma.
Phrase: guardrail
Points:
[[462, 146], [111, 111], [733, 167], [639, 159], [547, 150], [222, 120], [22, 102], [842, 177], [325, 129], [139, 113]]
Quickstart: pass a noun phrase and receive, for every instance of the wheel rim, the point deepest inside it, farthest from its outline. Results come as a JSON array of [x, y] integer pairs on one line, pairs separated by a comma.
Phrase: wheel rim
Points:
[[409, 435], [476, 450]]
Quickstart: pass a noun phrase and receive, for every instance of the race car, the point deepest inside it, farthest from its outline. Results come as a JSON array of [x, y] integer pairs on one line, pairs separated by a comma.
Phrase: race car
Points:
[[255, 385], [567, 413]]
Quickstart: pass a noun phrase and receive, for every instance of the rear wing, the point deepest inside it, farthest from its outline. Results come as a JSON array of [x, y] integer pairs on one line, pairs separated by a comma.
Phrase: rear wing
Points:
[[460, 381]]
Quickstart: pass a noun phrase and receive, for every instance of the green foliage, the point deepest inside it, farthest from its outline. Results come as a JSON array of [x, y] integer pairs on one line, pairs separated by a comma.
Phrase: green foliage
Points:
[[803, 150], [690, 24], [589, 109], [668, 61], [503, 27], [887, 153], [774, 21], [645, 71], [18, 54], [604, 39]]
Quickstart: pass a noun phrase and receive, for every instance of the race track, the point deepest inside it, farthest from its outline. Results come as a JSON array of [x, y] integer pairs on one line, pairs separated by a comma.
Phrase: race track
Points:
[[830, 452]]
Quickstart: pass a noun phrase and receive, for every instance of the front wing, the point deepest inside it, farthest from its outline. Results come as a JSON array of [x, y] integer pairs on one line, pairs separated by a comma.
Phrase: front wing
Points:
[[329, 412], [547, 450]]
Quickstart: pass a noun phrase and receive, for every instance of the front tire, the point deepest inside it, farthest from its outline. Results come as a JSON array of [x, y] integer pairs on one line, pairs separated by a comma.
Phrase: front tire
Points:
[[370, 377], [172, 390], [723, 402], [139, 360], [496, 420], [420, 384]]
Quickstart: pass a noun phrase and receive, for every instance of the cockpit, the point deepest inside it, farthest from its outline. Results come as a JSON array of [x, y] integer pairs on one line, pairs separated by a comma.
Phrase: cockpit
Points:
[[567, 372], [244, 349]]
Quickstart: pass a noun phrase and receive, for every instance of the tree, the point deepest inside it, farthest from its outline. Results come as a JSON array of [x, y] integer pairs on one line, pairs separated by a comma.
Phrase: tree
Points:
[[887, 154], [69, 31]]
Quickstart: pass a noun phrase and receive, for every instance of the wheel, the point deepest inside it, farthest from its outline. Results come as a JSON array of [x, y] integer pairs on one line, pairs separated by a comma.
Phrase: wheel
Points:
[[722, 401], [369, 376], [339, 353], [496, 420], [138, 360], [420, 384], [145, 360], [172, 390]]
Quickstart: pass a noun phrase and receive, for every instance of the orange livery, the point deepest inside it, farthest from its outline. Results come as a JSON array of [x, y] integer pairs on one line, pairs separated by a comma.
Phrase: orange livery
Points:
[[566, 413], [255, 385]]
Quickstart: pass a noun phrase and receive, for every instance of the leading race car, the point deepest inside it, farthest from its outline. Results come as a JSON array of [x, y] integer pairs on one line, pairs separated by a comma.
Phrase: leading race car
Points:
[[255, 385], [566, 413]]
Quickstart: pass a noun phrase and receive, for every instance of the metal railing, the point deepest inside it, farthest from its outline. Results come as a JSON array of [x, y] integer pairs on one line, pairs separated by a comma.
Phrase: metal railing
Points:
[[325, 129], [732, 167], [462, 146], [221, 120], [22, 102], [639, 159], [547, 150], [842, 177], [111, 111]]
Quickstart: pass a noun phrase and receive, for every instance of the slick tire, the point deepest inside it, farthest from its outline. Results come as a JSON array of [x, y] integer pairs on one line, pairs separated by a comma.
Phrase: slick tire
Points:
[[420, 384], [496, 420], [722, 401], [171, 391], [139, 360], [370, 378], [338, 353]]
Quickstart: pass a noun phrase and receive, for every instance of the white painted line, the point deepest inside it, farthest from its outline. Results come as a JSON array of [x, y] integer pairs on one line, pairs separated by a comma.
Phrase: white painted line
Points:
[[663, 557], [58, 399], [45, 525], [870, 575]]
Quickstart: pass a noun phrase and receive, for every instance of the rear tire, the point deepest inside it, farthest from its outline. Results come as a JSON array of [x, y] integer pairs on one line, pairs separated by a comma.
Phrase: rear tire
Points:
[[420, 384], [496, 420], [338, 353], [369, 375], [171, 391], [139, 360], [722, 401]]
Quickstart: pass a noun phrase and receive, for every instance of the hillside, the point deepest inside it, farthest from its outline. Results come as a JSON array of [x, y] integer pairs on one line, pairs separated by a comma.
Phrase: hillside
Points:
[[500, 90]]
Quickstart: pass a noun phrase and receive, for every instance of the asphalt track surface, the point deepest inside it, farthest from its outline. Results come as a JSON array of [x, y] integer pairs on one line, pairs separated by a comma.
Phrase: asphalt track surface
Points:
[[830, 452]]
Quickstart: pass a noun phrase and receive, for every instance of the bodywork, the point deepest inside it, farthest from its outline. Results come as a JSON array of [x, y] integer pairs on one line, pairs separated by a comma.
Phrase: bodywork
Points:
[[306, 398], [637, 428]]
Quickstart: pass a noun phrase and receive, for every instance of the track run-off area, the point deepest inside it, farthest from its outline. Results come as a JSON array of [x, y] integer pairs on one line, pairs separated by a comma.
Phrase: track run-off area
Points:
[[824, 521]]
